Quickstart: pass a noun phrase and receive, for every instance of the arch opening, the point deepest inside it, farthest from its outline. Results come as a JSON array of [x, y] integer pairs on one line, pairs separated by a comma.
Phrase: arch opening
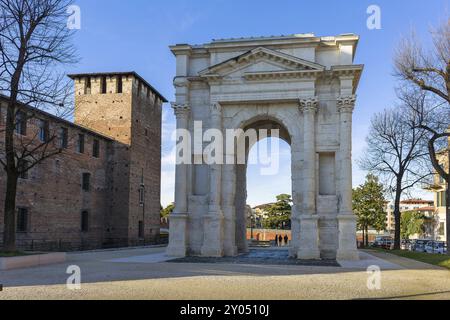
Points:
[[262, 219]]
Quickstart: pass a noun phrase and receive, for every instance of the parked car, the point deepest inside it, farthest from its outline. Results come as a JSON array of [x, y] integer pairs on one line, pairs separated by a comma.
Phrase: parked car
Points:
[[388, 244], [419, 245], [406, 244], [437, 247], [382, 241]]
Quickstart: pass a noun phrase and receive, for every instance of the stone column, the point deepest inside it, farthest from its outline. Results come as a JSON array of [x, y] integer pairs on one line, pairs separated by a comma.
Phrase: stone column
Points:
[[213, 223], [347, 220], [297, 191], [309, 235], [178, 219], [241, 208], [229, 209]]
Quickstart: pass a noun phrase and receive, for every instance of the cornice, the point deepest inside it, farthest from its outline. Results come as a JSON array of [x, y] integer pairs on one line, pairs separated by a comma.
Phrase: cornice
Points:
[[301, 74]]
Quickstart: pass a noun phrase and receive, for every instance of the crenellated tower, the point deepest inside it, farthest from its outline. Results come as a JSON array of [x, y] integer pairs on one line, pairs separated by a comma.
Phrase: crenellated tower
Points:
[[125, 107]]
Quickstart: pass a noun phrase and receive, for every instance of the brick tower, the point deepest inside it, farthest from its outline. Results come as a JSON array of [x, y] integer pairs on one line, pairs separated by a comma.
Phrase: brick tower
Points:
[[126, 108]]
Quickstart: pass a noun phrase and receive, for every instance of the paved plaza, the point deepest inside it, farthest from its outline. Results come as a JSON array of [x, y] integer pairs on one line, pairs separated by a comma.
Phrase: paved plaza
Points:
[[145, 273]]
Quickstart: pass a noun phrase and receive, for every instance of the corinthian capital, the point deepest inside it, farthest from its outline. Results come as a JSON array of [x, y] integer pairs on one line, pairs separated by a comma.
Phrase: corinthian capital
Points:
[[216, 109], [309, 105], [346, 104], [181, 110]]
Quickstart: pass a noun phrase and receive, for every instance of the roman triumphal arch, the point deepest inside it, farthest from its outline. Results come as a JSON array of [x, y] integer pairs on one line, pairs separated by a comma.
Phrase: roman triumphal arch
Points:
[[302, 85]]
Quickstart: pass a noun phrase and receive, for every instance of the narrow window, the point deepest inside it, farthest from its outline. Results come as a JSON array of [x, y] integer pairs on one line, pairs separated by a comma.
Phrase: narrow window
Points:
[[23, 169], [139, 87], [81, 143], [96, 148], [103, 85], [21, 123], [22, 220], [43, 130], [84, 221], [63, 138], [86, 183], [141, 195], [119, 84], [87, 86], [141, 229]]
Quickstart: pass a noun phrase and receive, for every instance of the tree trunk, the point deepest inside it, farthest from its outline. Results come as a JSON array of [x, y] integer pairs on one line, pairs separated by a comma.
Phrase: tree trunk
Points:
[[398, 215], [447, 217], [367, 236], [9, 233], [364, 237]]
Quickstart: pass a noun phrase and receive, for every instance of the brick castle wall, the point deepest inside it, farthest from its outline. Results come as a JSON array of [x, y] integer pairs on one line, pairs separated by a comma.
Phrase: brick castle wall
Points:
[[128, 126]]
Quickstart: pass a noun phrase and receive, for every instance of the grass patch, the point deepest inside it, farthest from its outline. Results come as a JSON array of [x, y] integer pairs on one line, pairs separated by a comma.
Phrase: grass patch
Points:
[[14, 254], [440, 260]]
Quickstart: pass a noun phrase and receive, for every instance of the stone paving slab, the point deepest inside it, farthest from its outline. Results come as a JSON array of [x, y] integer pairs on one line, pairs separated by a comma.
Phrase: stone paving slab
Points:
[[367, 260], [260, 256], [150, 258]]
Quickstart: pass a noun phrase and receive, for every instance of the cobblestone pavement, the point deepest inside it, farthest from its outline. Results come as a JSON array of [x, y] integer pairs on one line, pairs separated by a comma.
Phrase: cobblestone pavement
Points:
[[145, 274]]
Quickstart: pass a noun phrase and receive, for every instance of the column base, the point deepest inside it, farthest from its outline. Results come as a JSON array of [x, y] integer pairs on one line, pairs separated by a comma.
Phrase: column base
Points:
[[347, 237], [229, 226], [348, 255], [293, 253], [309, 238], [230, 251], [212, 252], [177, 235], [308, 254], [213, 229], [295, 229], [176, 252]]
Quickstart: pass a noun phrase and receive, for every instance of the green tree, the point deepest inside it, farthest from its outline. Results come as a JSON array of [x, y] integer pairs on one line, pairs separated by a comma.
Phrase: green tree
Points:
[[412, 223], [279, 213], [369, 206], [166, 212]]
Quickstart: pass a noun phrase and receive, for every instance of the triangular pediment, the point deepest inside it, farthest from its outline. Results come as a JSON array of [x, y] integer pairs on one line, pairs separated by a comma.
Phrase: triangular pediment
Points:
[[261, 60]]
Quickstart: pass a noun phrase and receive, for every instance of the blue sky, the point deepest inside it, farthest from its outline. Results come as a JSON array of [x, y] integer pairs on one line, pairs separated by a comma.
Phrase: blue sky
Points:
[[135, 35]]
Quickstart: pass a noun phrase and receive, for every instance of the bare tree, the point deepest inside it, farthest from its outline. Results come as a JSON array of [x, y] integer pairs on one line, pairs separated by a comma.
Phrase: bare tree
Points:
[[397, 153], [34, 45], [425, 74]]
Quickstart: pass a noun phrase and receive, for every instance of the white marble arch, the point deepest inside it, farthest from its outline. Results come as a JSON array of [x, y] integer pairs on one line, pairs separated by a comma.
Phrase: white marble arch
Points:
[[302, 84]]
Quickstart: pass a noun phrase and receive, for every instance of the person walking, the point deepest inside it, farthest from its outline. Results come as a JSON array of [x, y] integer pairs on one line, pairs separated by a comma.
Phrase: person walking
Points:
[[286, 240], [280, 240]]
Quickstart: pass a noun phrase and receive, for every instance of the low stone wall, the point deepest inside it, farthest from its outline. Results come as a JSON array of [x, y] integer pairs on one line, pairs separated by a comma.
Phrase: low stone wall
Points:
[[268, 234], [71, 244], [28, 261]]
